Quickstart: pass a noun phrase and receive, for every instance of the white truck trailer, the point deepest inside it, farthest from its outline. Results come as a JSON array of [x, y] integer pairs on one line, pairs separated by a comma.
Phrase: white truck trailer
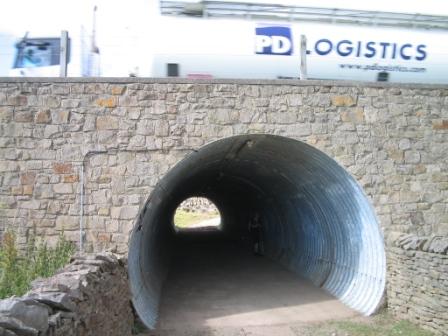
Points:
[[230, 39]]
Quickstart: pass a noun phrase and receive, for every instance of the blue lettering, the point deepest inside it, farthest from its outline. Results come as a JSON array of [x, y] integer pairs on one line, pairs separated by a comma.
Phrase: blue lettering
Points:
[[371, 49], [384, 45], [402, 54], [348, 50], [320, 51], [421, 50], [394, 50], [358, 52]]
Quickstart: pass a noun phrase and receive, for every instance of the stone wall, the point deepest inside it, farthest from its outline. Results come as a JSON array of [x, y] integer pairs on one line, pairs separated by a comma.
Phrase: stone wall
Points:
[[418, 281], [88, 297], [198, 204], [87, 153], [121, 136]]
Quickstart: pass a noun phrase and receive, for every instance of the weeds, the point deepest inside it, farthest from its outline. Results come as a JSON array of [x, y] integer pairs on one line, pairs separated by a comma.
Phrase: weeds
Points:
[[18, 270], [381, 324]]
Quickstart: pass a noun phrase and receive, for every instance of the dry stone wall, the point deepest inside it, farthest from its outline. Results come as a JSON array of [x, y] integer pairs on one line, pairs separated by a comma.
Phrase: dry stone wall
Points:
[[90, 296], [198, 204], [87, 153], [418, 281]]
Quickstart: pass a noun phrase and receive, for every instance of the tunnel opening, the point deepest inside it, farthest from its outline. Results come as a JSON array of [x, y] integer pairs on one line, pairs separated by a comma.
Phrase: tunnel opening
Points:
[[197, 214], [315, 219]]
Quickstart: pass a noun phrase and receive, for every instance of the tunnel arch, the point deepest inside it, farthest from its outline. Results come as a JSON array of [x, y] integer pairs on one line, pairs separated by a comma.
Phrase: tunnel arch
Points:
[[316, 219]]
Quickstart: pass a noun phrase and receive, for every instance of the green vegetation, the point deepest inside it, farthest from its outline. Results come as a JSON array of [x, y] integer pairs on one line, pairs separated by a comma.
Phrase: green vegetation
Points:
[[382, 324], [185, 219], [18, 270]]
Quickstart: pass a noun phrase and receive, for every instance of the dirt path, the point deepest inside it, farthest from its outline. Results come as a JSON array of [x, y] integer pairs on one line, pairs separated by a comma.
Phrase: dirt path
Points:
[[225, 290]]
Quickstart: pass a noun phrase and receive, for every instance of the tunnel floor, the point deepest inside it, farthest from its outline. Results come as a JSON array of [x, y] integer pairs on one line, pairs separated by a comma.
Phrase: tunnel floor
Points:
[[223, 285]]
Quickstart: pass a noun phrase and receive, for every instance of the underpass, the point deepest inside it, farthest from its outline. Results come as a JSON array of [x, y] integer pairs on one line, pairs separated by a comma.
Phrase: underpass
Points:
[[316, 222]]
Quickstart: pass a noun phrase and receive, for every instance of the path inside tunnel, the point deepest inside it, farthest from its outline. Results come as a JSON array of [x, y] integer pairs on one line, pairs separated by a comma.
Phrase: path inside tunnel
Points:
[[220, 284]]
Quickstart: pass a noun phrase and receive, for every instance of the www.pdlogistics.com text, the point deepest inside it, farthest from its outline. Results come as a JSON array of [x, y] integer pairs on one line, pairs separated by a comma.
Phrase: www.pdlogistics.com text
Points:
[[376, 67]]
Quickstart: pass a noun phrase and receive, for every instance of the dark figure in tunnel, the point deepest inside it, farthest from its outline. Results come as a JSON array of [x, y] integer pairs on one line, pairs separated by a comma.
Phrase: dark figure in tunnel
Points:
[[255, 231]]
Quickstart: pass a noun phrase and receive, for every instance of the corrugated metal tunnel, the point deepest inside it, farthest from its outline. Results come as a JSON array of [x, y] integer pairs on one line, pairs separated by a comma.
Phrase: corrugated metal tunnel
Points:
[[316, 219]]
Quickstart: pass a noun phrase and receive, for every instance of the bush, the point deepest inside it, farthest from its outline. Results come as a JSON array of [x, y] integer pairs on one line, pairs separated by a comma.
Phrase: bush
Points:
[[17, 271]]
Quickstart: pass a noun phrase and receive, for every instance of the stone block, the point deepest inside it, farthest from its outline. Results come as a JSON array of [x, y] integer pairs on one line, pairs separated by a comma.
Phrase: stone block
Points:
[[51, 101], [16, 190], [109, 102], [60, 117], [67, 223], [62, 168], [440, 124], [70, 103], [17, 100], [63, 188], [117, 89], [60, 89], [343, 100], [162, 128], [43, 117], [51, 130], [137, 141], [101, 196], [104, 237], [6, 113], [106, 123], [33, 204], [126, 212], [27, 178], [103, 212], [28, 190], [23, 116], [354, 116], [412, 157], [70, 178]]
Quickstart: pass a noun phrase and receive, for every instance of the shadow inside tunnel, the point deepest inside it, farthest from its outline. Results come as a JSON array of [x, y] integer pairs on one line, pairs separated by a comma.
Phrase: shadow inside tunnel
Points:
[[217, 282]]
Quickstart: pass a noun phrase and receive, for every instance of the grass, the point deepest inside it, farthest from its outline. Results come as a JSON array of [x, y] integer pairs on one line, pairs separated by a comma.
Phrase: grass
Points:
[[17, 271], [185, 219], [382, 324]]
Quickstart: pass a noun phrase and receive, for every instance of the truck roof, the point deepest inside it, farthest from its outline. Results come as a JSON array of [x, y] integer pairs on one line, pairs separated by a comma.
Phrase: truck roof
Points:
[[282, 12]]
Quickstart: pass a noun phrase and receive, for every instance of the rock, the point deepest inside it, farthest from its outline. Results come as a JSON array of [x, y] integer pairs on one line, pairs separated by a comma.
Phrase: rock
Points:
[[439, 245], [5, 332], [414, 243], [56, 300], [31, 313], [17, 326], [55, 320]]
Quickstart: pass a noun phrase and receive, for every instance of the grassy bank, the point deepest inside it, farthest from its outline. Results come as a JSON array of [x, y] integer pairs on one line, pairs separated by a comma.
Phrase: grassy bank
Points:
[[382, 324], [185, 219], [17, 270]]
